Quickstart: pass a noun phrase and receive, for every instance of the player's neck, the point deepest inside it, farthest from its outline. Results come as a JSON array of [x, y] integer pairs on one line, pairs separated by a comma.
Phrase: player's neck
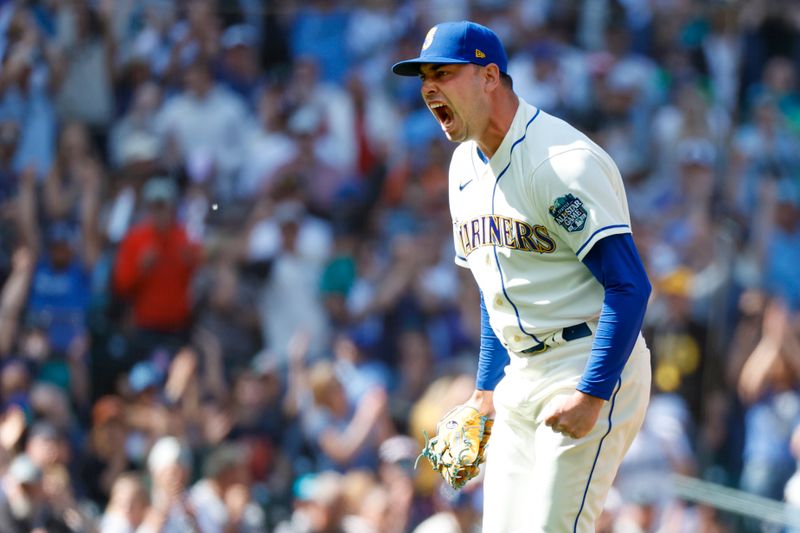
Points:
[[500, 119]]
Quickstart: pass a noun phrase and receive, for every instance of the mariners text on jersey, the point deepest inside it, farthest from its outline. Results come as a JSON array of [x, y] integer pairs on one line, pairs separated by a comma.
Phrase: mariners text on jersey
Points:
[[524, 219], [497, 230]]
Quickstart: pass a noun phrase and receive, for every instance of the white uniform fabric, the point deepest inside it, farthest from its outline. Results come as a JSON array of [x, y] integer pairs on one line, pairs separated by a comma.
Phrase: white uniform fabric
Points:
[[525, 259], [522, 223], [538, 480]]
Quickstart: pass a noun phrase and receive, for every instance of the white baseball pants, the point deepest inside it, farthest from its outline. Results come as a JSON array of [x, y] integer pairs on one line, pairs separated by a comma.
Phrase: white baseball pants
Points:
[[541, 481]]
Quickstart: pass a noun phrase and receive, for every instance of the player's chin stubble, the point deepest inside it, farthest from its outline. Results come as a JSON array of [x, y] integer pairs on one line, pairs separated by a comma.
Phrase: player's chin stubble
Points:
[[455, 134]]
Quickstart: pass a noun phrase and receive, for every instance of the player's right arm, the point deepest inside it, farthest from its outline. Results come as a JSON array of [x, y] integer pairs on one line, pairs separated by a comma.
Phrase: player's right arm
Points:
[[492, 361], [492, 357]]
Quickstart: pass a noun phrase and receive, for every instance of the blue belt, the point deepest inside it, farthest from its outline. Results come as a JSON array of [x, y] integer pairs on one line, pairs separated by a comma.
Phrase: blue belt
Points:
[[570, 333]]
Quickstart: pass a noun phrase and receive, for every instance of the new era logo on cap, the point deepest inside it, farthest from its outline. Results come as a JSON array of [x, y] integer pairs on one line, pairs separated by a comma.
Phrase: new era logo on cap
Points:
[[457, 42]]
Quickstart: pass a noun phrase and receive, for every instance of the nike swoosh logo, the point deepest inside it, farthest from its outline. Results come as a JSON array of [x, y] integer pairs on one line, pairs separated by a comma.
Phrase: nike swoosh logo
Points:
[[462, 185]]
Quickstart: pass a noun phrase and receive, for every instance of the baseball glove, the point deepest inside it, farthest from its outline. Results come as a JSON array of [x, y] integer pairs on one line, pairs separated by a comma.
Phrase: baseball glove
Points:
[[459, 447]]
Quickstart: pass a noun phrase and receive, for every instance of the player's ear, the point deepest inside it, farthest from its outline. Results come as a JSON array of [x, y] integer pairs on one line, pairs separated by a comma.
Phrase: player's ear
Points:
[[491, 76]]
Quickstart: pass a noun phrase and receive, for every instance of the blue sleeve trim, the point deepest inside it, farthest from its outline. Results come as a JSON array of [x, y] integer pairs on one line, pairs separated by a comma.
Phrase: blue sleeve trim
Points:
[[598, 231], [461, 258], [615, 263], [493, 356]]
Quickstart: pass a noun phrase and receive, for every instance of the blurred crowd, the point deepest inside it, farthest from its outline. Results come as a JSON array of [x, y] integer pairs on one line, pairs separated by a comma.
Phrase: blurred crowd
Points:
[[229, 301]]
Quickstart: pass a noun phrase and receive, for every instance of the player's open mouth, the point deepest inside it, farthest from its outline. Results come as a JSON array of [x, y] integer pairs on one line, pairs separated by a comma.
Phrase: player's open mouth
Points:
[[443, 113]]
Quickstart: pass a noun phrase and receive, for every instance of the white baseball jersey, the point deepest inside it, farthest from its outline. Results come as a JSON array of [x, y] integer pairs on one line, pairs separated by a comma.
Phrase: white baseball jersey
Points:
[[523, 220], [522, 223]]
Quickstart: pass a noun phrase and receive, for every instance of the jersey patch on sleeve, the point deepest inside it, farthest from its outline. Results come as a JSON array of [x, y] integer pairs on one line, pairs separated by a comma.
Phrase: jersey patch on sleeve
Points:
[[569, 212]]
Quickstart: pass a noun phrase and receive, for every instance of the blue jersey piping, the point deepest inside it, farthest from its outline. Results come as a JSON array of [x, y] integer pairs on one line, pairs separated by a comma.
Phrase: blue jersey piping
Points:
[[494, 247]]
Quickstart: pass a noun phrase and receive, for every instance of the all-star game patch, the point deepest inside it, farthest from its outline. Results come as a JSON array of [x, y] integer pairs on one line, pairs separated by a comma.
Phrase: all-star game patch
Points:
[[569, 212]]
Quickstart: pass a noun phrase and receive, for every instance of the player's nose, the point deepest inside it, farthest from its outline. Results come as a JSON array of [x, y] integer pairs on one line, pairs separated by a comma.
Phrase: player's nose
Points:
[[428, 87]]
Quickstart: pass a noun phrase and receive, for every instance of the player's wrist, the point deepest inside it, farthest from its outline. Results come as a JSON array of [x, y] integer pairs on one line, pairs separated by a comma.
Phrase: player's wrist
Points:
[[590, 398], [483, 401]]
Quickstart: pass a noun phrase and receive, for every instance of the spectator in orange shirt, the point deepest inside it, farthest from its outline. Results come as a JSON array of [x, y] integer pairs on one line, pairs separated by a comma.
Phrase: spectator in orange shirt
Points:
[[153, 273]]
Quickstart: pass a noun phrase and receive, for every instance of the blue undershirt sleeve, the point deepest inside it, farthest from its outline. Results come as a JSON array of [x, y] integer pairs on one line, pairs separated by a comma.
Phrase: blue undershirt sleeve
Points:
[[493, 356], [615, 263]]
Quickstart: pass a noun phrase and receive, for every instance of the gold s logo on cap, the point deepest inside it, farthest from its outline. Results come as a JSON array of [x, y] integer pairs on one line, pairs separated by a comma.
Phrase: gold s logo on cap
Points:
[[429, 38], [479, 54]]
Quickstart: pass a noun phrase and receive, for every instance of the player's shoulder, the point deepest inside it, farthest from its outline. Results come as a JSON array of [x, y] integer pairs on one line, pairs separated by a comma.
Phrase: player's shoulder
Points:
[[556, 136], [564, 151], [540, 135]]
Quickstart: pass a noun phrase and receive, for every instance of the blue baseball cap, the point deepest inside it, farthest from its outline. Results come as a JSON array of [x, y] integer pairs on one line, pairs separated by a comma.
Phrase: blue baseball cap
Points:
[[457, 42]]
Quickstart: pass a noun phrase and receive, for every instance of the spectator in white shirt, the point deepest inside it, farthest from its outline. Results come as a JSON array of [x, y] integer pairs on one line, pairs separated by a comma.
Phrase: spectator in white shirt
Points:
[[206, 118]]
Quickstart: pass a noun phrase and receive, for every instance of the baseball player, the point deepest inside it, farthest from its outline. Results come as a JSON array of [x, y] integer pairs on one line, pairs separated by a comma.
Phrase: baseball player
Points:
[[541, 219]]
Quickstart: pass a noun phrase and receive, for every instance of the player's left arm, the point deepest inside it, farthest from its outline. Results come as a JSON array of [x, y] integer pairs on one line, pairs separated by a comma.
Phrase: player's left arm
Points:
[[615, 263], [588, 211]]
